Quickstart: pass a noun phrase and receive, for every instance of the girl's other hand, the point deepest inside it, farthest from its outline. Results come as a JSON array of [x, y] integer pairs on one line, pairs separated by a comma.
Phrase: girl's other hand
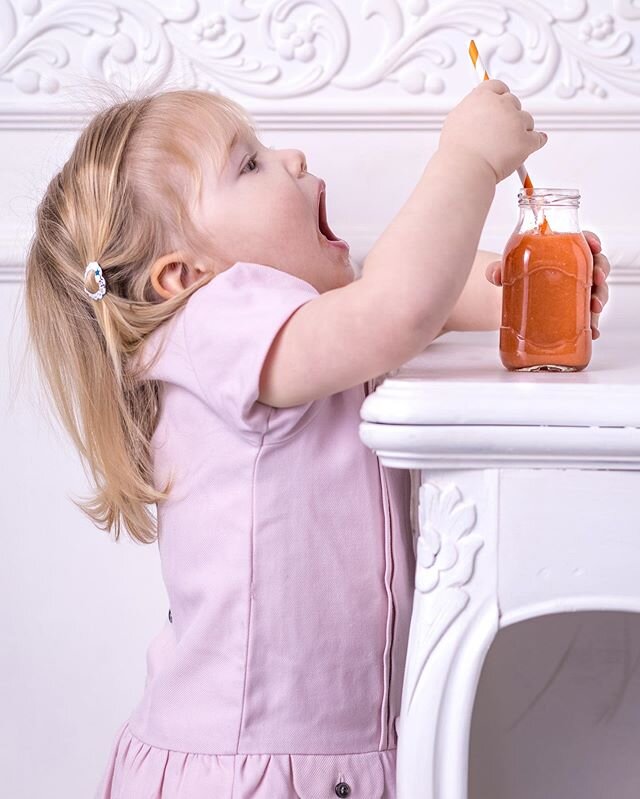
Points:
[[599, 289]]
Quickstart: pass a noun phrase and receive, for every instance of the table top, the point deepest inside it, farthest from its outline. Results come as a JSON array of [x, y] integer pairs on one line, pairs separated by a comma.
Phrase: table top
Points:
[[459, 380]]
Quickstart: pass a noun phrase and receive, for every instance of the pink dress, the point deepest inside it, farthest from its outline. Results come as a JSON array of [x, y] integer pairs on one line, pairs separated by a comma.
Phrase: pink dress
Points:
[[288, 561]]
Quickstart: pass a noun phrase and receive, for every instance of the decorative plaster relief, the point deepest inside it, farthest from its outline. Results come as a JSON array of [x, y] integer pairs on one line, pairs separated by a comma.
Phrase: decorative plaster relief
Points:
[[446, 554], [277, 49]]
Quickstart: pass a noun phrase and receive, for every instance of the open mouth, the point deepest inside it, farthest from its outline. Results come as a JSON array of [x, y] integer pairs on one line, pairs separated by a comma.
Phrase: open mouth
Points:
[[322, 218], [323, 224]]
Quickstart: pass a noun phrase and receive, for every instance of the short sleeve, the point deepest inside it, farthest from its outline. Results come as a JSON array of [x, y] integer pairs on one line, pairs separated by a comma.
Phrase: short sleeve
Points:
[[229, 326]]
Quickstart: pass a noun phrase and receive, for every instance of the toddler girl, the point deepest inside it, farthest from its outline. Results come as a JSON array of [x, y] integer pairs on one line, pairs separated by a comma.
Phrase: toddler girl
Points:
[[208, 346]]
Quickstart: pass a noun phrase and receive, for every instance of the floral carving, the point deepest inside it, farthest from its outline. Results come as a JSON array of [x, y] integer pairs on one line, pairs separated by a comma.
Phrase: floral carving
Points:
[[446, 549], [446, 554], [211, 28], [286, 48], [297, 43], [598, 28]]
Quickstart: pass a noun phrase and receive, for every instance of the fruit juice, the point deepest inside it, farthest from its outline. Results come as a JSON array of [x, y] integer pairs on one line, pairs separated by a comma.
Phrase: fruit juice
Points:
[[546, 301]]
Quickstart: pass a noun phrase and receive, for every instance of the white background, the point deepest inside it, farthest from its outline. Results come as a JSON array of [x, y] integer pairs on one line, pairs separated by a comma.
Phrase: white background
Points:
[[364, 95]]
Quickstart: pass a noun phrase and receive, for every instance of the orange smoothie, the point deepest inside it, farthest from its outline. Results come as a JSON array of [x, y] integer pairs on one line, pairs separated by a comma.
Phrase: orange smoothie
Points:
[[546, 316]]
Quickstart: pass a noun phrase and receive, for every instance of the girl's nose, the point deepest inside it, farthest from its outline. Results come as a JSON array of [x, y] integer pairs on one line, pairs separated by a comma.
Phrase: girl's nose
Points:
[[297, 161]]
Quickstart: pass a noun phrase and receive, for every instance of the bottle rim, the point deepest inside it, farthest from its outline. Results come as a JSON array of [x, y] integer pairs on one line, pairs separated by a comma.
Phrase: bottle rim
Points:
[[549, 196]]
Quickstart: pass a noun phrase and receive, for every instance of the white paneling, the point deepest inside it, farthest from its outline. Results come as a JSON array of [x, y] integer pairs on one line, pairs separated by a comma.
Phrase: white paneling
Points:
[[364, 92]]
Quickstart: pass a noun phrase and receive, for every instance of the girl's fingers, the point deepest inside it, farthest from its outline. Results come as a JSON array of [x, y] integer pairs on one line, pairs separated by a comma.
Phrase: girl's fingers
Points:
[[494, 273], [601, 294], [593, 241], [601, 269], [597, 304], [596, 308], [599, 297], [599, 290]]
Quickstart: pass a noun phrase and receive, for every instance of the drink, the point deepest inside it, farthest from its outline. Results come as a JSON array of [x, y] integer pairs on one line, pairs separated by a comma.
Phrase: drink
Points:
[[547, 273]]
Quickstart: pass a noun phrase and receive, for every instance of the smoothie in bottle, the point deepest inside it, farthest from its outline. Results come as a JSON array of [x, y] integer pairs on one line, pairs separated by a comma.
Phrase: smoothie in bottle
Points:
[[547, 273]]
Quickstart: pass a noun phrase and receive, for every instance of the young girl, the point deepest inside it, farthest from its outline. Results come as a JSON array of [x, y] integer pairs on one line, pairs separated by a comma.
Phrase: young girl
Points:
[[208, 347]]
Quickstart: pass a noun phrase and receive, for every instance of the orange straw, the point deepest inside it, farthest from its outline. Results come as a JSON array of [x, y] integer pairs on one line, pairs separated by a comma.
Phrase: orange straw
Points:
[[482, 74]]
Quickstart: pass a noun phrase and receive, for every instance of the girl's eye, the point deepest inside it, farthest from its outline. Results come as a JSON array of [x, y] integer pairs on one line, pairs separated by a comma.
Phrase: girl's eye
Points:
[[253, 160]]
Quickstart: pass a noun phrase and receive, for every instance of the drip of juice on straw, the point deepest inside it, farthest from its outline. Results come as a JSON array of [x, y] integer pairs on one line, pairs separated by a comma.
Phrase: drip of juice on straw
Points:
[[482, 74]]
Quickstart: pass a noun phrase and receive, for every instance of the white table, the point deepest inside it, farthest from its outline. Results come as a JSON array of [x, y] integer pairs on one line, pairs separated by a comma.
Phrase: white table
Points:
[[516, 517]]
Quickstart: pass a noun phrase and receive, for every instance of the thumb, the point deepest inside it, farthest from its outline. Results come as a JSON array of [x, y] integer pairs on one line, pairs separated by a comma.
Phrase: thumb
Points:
[[494, 273]]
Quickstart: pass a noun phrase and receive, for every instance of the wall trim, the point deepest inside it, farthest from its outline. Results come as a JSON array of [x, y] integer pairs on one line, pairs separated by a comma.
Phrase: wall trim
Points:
[[348, 116], [622, 248]]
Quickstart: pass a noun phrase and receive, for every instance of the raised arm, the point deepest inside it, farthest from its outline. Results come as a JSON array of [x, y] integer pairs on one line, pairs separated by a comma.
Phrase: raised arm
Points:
[[414, 275]]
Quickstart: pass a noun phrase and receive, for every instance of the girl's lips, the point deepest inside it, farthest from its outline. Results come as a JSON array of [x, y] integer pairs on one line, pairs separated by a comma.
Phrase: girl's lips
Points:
[[339, 243]]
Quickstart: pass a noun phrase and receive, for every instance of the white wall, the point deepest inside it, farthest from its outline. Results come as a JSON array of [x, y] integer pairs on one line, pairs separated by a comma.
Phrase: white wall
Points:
[[364, 98]]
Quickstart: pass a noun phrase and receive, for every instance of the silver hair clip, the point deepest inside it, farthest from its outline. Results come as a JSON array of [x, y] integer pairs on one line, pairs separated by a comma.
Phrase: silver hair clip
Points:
[[95, 267]]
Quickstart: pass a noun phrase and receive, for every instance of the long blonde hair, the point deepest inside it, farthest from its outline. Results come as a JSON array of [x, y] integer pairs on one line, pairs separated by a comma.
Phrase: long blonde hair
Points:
[[123, 198]]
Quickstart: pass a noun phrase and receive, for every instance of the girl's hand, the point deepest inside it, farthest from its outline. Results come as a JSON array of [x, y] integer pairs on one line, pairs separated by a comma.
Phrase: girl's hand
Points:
[[490, 125], [599, 290]]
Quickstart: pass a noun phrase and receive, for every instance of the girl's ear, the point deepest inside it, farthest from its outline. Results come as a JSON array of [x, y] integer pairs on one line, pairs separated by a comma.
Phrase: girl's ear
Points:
[[171, 274]]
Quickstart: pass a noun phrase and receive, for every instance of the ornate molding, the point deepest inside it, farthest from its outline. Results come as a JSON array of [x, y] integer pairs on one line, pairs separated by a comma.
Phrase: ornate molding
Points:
[[337, 115], [446, 555], [291, 49], [621, 248]]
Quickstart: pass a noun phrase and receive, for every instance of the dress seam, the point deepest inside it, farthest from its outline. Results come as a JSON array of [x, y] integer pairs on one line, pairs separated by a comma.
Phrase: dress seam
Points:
[[261, 754], [250, 611], [384, 710], [393, 613]]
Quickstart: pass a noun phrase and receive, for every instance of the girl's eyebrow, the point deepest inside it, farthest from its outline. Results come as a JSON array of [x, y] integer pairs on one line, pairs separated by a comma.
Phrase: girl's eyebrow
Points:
[[243, 148], [235, 153], [231, 145]]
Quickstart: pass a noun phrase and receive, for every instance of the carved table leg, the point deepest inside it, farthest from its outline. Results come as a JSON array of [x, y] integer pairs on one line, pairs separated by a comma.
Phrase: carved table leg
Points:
[[454, 621]]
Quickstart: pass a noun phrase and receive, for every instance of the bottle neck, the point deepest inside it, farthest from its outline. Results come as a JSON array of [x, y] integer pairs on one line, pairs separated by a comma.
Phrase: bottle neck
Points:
[[559, 207]]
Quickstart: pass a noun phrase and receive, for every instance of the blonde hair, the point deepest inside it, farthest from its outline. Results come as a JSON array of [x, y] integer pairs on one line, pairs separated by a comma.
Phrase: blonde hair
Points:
[[123, 198]]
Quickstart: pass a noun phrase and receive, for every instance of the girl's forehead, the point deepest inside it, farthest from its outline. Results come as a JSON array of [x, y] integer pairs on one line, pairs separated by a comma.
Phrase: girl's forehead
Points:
[[241, 140]]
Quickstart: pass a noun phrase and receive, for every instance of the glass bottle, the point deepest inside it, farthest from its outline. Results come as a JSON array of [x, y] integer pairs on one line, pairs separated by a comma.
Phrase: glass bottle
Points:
[[547, 274]]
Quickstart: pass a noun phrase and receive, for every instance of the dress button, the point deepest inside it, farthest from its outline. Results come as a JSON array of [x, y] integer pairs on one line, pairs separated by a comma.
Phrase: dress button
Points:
[[343, 789], [170, 617]]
